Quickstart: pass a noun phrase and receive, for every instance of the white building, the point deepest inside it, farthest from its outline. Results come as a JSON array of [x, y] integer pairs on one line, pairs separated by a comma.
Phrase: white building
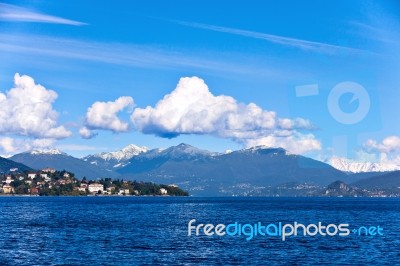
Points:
[[7, 189], [110, 189], [95, 187], [32, 175], [163, 191], [9, 180], [123, 192], [49, 170], [43, 175]]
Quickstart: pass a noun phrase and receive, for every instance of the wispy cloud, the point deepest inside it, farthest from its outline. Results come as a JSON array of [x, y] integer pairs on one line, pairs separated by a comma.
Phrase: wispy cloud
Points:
[[287, 41], [129, 55], [16, 13], [383, 34]]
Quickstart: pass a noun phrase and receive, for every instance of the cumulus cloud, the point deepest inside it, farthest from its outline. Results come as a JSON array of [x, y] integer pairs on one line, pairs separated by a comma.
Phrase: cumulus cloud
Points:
[[10, 146], [103, 115], [6, 145], [296, 143], [386, 151], [192, 109], [388, 144], [390, 159], [297, 123], [87, 133], [27, 110]]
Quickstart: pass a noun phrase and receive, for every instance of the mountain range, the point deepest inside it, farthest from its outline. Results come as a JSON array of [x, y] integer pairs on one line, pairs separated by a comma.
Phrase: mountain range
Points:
[[54, 158], [385, 180], [206, 173], [116, 159], [346, 165], [203, 172]]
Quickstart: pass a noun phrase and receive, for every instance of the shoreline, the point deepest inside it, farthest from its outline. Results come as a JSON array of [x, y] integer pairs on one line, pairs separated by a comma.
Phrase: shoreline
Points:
[[191, 196], [28, 195]]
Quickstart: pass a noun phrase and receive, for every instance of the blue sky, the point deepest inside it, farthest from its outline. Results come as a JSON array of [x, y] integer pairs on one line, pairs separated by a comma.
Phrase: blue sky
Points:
[[254, 52]]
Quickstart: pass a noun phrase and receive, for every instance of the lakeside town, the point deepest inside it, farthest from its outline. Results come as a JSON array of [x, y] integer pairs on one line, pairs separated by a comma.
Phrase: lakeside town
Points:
[[50, 182]]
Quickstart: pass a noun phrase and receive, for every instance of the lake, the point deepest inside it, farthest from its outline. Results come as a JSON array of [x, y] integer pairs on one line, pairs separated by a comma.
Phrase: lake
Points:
[[154, 230]]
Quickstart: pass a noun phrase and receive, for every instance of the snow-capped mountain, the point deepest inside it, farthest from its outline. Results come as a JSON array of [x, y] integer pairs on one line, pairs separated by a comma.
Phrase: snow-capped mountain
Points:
[[184, 151], [263, 148], [48, 151], [54, 158], [347, 165], [125, 153], [115, 159], [207, 173]]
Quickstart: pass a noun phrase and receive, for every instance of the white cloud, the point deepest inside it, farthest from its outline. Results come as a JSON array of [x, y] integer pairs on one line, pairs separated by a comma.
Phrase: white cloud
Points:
[[192, 109], [286, 41], [10, 146], [16, 13], [296, 143], [103, 115], [299, 123], [387, 151], [392, 160], [27, 110], [388, 144], [7, 145], [39, 47], [87, 133]]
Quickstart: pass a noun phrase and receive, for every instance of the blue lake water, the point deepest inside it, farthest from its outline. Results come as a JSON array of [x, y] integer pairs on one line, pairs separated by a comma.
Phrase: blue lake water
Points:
[[154, 230]]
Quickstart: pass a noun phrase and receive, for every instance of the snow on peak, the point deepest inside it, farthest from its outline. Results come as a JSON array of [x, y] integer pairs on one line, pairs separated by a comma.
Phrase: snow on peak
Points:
[[261, 148], [47, 151], [346, 165], [125, 153], [184, 148]]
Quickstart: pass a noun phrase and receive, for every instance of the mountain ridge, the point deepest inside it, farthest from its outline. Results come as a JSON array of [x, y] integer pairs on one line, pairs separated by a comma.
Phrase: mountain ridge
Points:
[[203, 171], [200, 171], [6, 165], [346, 165], [115, 159], [60, 161]]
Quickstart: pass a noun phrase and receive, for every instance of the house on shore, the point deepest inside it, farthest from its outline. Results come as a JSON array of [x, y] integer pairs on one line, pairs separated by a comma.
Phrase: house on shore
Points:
[[7, 189], [31, 175], [95, 188], [123, 191], [49, 170]]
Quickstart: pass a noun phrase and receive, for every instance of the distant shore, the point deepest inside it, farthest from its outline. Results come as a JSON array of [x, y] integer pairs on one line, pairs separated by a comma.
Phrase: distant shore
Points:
[[96, 195]]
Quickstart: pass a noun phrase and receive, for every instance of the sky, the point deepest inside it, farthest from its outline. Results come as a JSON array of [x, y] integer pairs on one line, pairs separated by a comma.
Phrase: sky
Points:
[[318, 78]]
